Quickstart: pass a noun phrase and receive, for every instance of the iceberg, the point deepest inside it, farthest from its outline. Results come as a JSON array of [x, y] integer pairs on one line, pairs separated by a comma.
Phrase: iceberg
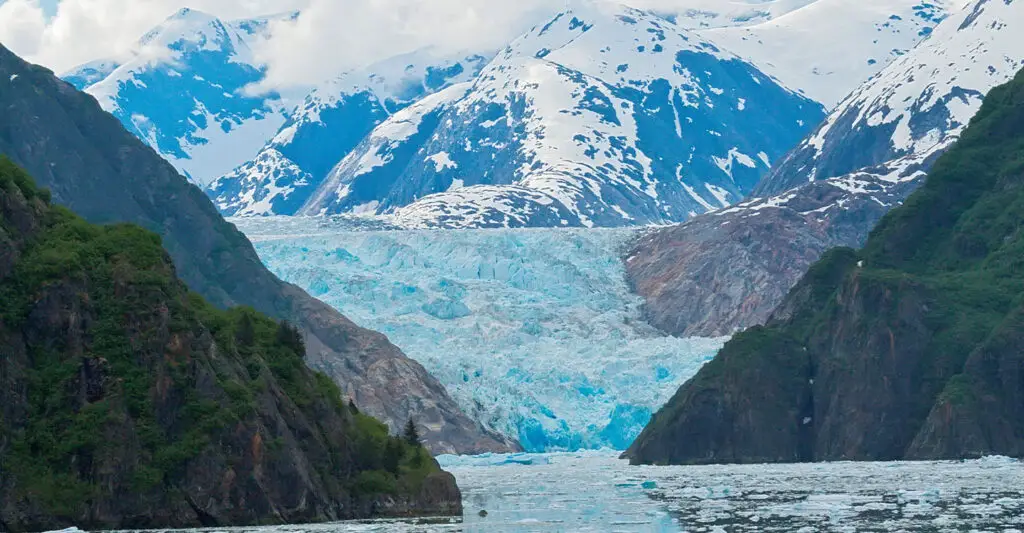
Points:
[[533, 331]]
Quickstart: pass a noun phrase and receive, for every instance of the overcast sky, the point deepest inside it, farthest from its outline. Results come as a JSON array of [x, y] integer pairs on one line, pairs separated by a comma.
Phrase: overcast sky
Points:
[[329, 37], [61, 34]]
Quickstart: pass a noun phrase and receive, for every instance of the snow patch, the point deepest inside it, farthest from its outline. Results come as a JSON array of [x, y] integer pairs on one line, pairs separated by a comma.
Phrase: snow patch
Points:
[[442, 161]]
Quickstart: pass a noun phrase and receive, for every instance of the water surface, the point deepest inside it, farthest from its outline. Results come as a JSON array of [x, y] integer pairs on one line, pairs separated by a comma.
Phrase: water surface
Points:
[[595, 492]]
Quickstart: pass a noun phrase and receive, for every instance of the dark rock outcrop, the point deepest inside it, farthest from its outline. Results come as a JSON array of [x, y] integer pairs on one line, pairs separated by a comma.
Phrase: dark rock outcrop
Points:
[[908, 349], [129, 402], [99, 170]]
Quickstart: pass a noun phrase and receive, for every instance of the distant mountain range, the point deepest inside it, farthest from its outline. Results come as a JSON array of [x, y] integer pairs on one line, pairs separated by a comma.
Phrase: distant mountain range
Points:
[[609, 116], [827, 48], [604, 115], [331, 122]]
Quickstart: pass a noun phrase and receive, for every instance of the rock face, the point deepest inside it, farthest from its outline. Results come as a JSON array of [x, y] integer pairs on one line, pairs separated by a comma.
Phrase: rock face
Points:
[[128, 402], [727, 271], [95, 167], [908, 349]]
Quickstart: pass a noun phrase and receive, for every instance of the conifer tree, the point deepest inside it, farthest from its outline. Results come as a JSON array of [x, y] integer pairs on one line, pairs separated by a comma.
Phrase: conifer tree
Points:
[[412, 435], [393, 454], [246, 333]]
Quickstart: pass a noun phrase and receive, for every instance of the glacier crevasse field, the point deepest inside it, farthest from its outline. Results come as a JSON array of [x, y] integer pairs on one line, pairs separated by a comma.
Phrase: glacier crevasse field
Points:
[[533, 331]]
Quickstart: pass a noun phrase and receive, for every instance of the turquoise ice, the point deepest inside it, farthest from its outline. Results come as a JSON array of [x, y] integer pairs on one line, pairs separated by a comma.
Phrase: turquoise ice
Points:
[[534, 332]]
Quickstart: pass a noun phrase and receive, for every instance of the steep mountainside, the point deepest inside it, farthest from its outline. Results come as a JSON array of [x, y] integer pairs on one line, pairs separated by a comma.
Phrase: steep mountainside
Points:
[[182, 92], [924, 99], [604, 116], [830, 47], [729, 270], [332, 121], [908, 349], [128, 402], [92, 165]]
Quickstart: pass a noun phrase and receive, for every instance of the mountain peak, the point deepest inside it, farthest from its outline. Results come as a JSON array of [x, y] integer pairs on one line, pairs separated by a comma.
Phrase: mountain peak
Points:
[[919, 103], [186, 13], [188, 27], [603, 116]]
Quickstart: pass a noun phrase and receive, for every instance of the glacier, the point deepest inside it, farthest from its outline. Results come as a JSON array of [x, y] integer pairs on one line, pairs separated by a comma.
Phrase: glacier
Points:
[[533, 331]]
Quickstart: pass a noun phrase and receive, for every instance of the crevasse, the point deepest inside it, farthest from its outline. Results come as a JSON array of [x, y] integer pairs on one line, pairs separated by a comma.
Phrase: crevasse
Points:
[[534, 332]]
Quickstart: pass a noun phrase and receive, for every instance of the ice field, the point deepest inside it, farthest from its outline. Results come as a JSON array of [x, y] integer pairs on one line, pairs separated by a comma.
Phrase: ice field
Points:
[[533, 331]]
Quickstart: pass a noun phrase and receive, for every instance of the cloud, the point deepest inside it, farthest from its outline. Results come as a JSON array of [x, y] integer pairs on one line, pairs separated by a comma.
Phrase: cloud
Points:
[[350, 34], [21, 22], [84, 30], [329, 37]]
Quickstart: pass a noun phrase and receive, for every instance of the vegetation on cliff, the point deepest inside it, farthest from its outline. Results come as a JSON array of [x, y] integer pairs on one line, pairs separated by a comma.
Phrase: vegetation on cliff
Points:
[[103, 173], [127, 401], [910, 348]]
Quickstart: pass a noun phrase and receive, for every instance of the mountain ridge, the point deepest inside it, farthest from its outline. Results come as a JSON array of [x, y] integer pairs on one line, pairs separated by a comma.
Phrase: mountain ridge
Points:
[[294, 162], [841, 45], [572, 125], [184, 90]]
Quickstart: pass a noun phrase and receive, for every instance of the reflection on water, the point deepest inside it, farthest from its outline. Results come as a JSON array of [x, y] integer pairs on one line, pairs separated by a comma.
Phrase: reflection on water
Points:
[[599, 493]]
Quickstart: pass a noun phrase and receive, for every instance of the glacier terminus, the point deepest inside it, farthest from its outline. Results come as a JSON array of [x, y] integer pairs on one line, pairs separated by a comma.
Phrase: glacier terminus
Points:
[[533, 331]]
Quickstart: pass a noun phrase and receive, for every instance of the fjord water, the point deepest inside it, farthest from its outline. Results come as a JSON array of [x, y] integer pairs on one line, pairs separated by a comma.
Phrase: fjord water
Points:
[[533, 331], [596, 492]]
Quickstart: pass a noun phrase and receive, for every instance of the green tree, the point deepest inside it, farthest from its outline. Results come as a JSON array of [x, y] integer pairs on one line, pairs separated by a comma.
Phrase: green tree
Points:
[[412, 435], [393, 454], [290, 336], [246, 332]]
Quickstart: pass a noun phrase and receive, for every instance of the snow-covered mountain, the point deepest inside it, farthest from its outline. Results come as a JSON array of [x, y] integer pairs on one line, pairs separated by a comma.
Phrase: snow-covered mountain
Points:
[[829, 47], [605, 115], [729, 269], [919, 104], [182, 92], [330, 122]]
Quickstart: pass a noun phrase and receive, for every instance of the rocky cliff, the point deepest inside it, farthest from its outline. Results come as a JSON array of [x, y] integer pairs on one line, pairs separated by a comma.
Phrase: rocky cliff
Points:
[[908, 349], [95, 167], [129, 402], [728, 270]]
